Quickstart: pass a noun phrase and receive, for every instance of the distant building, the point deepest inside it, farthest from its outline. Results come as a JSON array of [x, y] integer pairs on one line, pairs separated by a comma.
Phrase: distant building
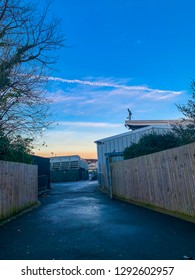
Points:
[[92, 164], [68, 169], [92, 168]]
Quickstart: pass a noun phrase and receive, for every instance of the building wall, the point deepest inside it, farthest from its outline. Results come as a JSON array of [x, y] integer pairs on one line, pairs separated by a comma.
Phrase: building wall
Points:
[[43, 172], [69, 175], [118, 143]]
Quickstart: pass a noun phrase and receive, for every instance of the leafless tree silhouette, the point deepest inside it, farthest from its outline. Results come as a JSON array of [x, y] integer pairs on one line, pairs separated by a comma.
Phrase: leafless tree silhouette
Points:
[[29, 39]]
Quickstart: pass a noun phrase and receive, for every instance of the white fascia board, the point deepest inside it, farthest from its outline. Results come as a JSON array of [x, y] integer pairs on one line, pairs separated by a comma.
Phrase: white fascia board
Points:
[[151, 122]]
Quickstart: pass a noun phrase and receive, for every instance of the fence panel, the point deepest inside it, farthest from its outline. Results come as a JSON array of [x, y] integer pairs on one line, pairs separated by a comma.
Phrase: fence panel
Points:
[[18, 187], [165, 179]]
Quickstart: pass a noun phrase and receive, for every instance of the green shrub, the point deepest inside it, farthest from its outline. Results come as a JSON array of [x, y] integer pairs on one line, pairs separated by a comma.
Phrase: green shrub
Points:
[[151, 143]]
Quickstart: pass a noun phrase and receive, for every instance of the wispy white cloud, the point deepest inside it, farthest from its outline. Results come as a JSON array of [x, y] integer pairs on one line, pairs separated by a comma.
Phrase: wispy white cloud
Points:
[[82, 82], [95, 108], [89, 124], [128, 89], [60, 98], [97, 84], [107, 100], [165, 95], [111, 84]]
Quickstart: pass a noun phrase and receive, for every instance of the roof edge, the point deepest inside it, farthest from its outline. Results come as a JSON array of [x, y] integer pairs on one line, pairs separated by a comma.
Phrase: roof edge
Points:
[[132, 132]]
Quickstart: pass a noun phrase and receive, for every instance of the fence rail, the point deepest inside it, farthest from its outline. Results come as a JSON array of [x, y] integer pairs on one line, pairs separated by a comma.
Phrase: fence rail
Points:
[[165, 179], [18, 187]]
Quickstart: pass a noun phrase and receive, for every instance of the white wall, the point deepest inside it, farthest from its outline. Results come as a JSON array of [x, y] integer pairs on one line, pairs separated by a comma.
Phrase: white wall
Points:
[[118, 143]]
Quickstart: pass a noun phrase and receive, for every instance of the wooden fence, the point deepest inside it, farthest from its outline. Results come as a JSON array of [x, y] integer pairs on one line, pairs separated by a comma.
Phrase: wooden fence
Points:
[[165, 179], [18, 187]]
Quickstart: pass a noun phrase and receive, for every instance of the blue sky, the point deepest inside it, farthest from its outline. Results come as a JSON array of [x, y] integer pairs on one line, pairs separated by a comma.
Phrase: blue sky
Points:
[[137, 54]]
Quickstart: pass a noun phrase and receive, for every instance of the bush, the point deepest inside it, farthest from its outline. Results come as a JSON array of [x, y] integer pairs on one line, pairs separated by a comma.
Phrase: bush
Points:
[[151, 143], [17, 149]]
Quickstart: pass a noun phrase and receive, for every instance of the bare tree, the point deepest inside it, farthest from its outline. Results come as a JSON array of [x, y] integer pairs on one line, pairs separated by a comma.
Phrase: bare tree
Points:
[[29, 39]]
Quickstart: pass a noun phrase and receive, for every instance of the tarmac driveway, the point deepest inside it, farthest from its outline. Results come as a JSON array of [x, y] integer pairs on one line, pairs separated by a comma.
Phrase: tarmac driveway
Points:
[[77, 222]]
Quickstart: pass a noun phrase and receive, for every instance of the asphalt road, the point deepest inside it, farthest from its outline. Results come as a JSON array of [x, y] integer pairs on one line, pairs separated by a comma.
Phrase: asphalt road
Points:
[[77, 222]]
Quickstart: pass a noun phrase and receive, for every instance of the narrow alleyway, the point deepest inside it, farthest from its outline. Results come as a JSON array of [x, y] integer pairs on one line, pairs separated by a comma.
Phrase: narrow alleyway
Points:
[[76, 221]]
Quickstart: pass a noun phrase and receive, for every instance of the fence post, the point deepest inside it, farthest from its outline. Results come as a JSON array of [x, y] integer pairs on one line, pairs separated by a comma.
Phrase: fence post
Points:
[[109, 175], [109, 157]]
